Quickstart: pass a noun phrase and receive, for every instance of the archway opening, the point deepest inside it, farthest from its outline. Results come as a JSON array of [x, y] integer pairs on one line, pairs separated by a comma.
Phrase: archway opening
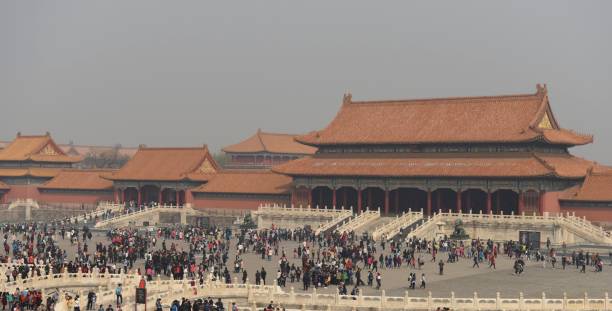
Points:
[[505, 200], [444, 200], [347, 197], [373, 198], [474, 200], [149, 194], [322, 197]]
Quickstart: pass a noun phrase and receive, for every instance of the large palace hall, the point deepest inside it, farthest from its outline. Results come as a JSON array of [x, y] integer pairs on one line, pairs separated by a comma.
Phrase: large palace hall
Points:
[[490, 154]]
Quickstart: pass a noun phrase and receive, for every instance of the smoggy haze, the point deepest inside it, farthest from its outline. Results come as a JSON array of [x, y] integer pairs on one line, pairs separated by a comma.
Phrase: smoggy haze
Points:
[[181, 73]]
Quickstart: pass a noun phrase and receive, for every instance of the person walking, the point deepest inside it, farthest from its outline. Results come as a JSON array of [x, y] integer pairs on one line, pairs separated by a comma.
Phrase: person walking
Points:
[[441, 265], [475, 261], [378, 280], [422, 281]]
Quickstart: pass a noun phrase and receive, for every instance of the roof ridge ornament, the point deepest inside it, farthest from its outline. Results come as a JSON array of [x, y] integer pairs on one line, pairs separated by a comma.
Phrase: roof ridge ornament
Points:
[[347, 98], [541, 89]]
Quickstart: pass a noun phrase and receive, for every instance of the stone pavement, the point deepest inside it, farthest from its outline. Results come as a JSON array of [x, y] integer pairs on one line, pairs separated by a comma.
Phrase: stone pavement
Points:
[[459, 277]]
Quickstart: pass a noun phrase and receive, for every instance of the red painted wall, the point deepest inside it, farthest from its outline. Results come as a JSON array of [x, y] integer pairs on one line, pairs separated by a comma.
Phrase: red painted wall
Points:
[[74, 197], [550, 201], [31, 192], [235, 203], [23, 192]]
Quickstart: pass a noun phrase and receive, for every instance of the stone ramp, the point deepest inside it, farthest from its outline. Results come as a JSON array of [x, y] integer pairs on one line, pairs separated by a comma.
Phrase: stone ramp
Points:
[[373, 225], [359, 221], [396, 225]]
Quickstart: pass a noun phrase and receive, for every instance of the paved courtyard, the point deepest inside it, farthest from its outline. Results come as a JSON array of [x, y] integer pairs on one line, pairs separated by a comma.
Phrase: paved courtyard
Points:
[[459, 277]]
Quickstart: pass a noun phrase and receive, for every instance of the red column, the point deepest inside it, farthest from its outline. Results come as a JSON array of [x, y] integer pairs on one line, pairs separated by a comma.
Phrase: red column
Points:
[[458, 201], [139, 196], [541, 202], [178, 197], [123, 195], [428, 212], [358, 200], [159, 197], [292, 197], [333, 198], [521, 202], [309, 197], [438, 202], [116, 194], [369, 198], [489, 202], [386, 202]]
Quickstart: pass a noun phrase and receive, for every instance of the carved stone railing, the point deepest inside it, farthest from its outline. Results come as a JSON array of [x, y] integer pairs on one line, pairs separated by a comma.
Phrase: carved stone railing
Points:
[[359, 221], [301, 211], [260, 295], [394, 227], [137, 213]]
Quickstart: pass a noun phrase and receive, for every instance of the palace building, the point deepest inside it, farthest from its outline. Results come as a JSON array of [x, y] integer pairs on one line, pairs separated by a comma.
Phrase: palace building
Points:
[[30, 161], [263, 150], [489, 154]]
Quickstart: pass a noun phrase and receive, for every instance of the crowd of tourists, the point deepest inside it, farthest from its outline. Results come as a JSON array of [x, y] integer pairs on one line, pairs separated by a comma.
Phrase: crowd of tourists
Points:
[[342, 260]]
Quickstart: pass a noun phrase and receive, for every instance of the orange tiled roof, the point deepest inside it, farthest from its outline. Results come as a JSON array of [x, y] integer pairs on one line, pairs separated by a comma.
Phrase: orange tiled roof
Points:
[[33, 171], [40, 148], [80, 179], [597, 186], [566, 165], [247, 182], [434, 165], [270, 142], [511, 118], [166, 164]]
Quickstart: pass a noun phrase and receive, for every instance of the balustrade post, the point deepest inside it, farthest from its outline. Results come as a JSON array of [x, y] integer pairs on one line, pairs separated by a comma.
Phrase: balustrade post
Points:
[[586, 301], [292, 295], [429, 301], [313, 296], [606, 299], [521, 301], [382, 298], [453, 306], [475, 300], [564, 300], [497, 301], [406, 298], [543, 301]]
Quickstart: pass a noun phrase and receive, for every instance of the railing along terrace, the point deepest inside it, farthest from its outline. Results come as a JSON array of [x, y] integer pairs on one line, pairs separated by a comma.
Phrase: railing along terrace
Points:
[[139, 211], [259, 295], [293, 209]]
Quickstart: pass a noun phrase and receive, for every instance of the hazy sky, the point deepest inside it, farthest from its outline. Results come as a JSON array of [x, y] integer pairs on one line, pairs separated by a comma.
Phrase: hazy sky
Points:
[[184, 73]]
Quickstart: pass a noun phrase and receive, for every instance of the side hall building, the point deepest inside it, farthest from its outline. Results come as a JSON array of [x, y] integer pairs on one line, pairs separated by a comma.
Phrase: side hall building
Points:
[[264, 150], [488, 154]]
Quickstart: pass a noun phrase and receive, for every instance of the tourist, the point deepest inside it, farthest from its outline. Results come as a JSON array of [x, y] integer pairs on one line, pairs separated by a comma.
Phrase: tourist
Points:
[[422, 281], [118, 294], [441, 265]]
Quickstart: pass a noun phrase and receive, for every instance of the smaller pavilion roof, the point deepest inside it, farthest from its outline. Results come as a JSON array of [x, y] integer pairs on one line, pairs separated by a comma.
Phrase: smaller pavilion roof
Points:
[[597, 186], [32, 171], [168, 164], [80, 180], [271, 143], [4, 186], [37, 148], [246, 182]]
